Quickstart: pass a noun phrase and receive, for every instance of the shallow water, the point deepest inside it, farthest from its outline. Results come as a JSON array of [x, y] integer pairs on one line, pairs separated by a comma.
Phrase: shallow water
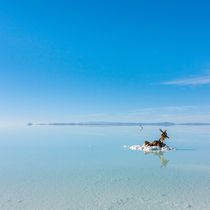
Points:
[[68, 168]]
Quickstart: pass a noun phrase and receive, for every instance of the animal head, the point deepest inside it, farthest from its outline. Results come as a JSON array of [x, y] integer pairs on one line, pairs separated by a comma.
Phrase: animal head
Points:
[[163, 135]]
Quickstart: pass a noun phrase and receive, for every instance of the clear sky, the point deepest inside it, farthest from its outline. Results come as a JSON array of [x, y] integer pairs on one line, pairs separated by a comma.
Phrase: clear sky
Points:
[[104, 60]]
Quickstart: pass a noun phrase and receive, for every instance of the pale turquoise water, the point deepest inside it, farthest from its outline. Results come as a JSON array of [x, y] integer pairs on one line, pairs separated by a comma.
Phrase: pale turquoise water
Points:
[[63, 168]]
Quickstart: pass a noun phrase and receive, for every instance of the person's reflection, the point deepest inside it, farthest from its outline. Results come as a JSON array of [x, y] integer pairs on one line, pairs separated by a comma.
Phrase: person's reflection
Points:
[[160, 155]]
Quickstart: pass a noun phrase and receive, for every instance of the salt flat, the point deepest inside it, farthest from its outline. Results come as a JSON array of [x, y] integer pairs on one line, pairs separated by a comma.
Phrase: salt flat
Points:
[[64, 168]]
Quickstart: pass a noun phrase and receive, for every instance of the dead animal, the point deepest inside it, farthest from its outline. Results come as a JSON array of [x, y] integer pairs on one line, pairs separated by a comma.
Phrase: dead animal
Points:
[[163, 135], [159, 142]]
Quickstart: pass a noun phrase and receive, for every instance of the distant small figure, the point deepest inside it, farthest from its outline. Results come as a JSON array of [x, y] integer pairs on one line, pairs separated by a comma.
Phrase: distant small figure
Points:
[[140, 128]]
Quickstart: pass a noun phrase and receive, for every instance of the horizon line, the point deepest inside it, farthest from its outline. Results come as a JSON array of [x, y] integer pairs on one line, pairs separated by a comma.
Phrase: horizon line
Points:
[[104, 123]]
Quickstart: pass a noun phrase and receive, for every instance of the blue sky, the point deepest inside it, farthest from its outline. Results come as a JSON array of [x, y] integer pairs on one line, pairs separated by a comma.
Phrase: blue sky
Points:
[[104, 60]]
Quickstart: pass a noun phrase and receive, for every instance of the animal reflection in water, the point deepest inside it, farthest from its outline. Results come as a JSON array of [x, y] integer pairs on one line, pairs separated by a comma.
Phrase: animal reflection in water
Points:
[[160, 155]]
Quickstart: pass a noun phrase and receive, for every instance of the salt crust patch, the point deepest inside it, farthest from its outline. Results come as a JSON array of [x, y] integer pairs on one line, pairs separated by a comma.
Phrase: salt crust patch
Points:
[[149, 148]]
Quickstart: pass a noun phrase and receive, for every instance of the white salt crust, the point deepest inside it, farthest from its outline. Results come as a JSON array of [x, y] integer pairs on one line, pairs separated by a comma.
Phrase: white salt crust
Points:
[[148, 148]]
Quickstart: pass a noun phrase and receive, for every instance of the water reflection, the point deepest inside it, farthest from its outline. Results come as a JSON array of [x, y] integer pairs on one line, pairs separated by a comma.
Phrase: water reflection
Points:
[[160, 155]]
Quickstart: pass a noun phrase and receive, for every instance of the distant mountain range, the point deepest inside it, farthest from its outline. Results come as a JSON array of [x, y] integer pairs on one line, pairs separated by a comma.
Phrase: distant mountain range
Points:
[[118, 124]]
